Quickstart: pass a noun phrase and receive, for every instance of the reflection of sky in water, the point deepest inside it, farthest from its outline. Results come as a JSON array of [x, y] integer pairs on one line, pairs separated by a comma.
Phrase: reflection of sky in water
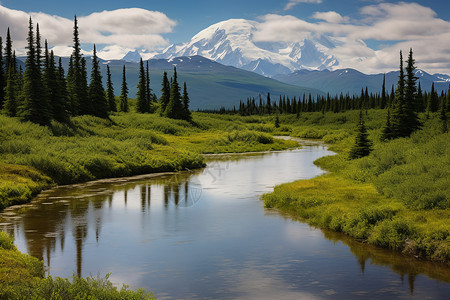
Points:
[[207, 235]]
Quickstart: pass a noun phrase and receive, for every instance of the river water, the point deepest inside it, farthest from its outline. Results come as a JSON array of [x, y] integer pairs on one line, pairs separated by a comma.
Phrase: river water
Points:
[[205, 234]]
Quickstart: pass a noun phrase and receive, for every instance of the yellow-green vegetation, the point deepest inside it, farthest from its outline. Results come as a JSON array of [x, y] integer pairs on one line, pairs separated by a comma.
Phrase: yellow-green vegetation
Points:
[[34, 157], [398, 197], [22, 277]]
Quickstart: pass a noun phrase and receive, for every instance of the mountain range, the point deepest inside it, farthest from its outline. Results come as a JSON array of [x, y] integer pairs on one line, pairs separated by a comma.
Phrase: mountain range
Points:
[[232, 43]]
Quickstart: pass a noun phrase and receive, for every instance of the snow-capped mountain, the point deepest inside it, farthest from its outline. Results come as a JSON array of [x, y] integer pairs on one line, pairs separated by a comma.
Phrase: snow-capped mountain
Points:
[[132, 56], [231, 43]]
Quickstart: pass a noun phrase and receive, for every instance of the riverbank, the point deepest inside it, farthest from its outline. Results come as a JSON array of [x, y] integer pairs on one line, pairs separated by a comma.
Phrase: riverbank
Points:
[[34, 158], [395, 198]]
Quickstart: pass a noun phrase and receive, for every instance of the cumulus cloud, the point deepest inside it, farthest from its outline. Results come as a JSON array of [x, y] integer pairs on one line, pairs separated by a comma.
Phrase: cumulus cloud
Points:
[[293, 3], [116, 31], [331, 17], [397, 26]]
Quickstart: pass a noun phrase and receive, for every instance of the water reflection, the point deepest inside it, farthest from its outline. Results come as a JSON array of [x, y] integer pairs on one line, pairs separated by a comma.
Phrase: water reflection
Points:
[[205, 234]]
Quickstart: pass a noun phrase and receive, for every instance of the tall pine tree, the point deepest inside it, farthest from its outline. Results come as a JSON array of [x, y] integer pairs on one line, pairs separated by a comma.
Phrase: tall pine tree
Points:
[[165, 94], [174, 108], [124, 92], [12, 90], [412, 122], [3, 76], [110, 91], [186, 112], [141, 96], [96, 95], [33, 107], [148, 90]]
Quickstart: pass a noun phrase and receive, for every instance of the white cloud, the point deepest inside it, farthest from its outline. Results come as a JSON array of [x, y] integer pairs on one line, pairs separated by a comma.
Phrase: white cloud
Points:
[[398, 26], [293, 3], [117, 29], [330, 17]]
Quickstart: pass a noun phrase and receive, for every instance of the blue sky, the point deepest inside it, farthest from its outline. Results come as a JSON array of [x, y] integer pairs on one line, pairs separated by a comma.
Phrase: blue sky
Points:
[[193, 16], [371, 31]]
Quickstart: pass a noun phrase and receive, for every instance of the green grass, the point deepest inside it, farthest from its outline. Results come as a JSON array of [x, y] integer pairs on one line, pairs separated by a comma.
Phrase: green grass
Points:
[[33, 157], [398, 197], [22, 277]]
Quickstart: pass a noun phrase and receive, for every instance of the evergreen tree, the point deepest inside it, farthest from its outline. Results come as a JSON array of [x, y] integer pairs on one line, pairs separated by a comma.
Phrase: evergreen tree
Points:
[[412, 122], [8, 51], [110, 91], [3, 76], [96, 95], [49, 80], [33, 107], [433, 100], [420, 101], [386, 133], [148, 90], [362, 146], [141, 96], [268, 104], [277, 122], [11, 104], [85, 106], [60, 109], [383, 101], [165, 93], [186, 112], [77, 78], [174, 108], [400, 115], [124, 92]]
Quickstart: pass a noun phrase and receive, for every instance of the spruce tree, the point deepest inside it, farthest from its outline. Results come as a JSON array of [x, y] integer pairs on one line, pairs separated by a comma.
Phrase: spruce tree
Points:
[[411, 99], [60, 109], [362, 146], [433, 100], [33, 107], [420, 102], [148, 90], [85, 106], [141, 96], [400, 115], [3, 76], [124, 92], [110, 91], [174, 108], [165, 94], [96, 95], [268, 104], [12, 89], [49, 79], [77, 78], [383, 101], [8, 51], [186, 112], [277, 121]]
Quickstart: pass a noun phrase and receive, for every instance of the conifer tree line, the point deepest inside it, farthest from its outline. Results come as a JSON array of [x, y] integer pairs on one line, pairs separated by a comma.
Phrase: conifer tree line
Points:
[[43, 92], [402, 103]]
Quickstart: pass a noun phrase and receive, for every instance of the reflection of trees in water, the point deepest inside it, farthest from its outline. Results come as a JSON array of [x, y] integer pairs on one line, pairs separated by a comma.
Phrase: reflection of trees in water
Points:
[[44, 224], [400, 264]]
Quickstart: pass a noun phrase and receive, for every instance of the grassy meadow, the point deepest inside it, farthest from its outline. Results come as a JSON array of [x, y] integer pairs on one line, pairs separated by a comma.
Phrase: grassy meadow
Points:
[[398, 197], [34, 157]]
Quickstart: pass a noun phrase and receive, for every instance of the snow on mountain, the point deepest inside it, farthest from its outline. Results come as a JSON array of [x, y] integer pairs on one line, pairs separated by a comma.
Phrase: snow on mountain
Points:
[[132, 56], [231, 43]]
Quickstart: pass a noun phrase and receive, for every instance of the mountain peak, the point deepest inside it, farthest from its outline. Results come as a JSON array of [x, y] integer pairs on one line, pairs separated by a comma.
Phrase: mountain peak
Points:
[[132, 56], [231, 43]]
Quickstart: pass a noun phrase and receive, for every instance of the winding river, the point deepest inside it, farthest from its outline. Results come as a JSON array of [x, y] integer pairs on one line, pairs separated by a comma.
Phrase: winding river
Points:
[[205, 234]]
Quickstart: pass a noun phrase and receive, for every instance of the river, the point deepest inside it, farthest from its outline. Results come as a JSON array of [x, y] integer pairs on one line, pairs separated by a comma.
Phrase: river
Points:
[[205, 234]]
